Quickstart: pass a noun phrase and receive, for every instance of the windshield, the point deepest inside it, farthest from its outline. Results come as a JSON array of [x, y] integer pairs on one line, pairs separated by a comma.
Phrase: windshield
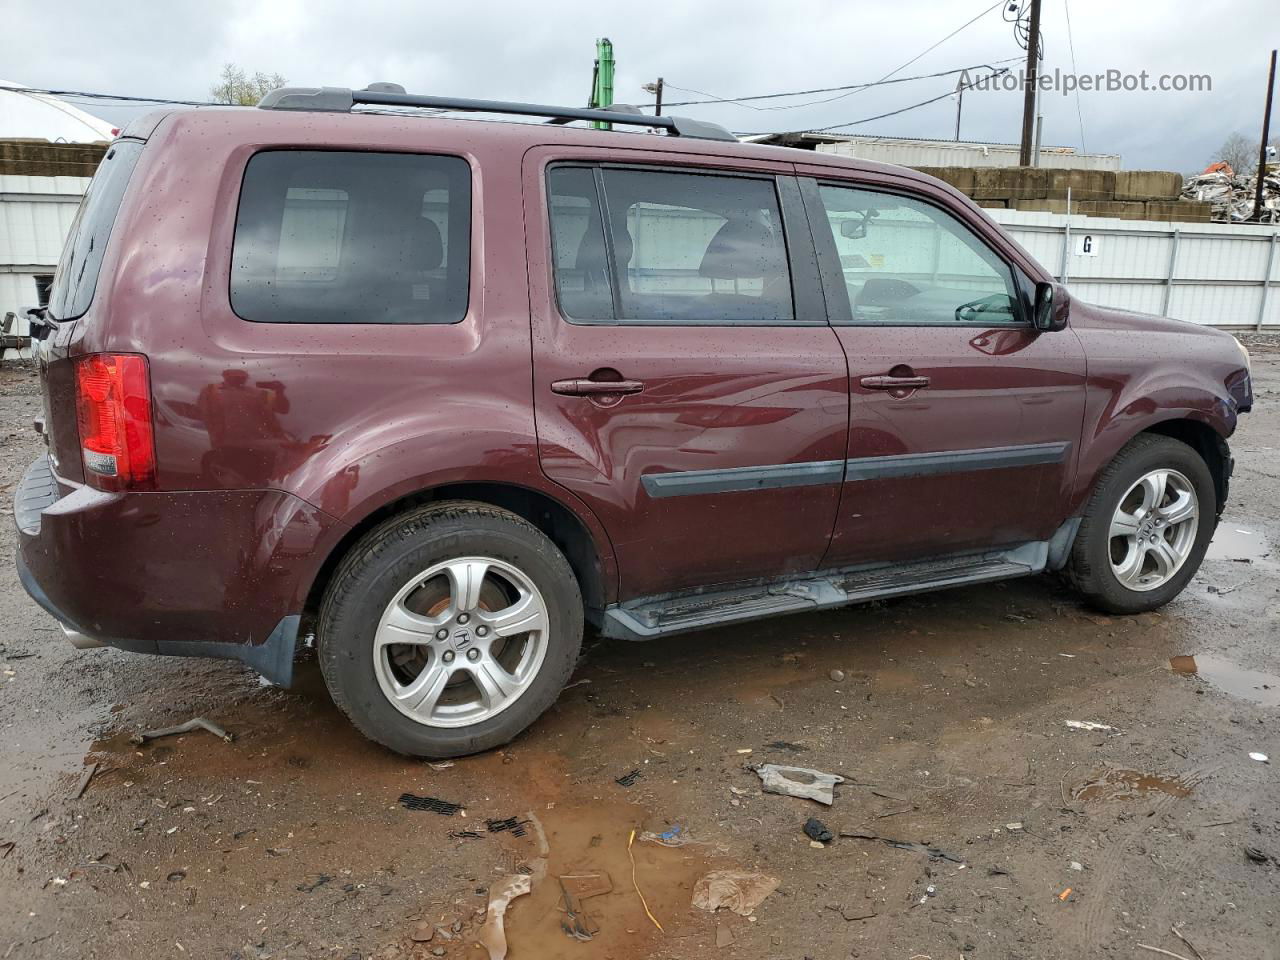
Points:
[[77, 274]]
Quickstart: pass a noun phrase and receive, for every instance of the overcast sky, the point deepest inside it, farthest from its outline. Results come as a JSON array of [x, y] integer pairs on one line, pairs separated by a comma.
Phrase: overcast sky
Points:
[[543, 52]]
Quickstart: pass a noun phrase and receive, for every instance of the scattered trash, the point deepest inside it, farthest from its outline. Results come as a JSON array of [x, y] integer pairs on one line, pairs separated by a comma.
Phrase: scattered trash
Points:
[[1087, 725], [724, 936], [574, 888], [441, 765], [83, 785], [1013, 827], [798, 782], [1167, 953], [492, 935], [512, 825], [929, 891], [176, 875], [443, 807], [629, 779], [1077, 865], [466, 835], [743, 752], [1260, 757], [634, 883], [1064, 894], [933, 853], [197, 723], [837, 676], [815, 829], [786, 745], [1256, 855], [319, 882], [738, 890]]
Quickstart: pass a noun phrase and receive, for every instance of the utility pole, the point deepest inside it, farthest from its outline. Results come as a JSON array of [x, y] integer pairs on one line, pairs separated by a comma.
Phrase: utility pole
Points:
[[603, 93], [1029, 93], [960, 84], [656, 90], [1266, 132]]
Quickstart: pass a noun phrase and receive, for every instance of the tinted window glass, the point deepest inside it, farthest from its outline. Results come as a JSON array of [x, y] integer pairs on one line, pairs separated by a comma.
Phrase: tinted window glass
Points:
[[906, 262], [77, 274], [577, 244], [685, 248], [328, 237]]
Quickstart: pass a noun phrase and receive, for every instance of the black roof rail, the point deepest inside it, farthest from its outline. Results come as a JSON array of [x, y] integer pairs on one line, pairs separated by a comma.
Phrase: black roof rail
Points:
[[342, 99]]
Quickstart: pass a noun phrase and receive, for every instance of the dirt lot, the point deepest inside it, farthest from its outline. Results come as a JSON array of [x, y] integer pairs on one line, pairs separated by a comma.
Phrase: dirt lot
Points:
[[947, 719]]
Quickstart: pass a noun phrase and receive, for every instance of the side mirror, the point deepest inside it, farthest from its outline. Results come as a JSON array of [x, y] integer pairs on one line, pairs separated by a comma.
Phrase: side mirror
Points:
[[853, 229], [1050, 309]]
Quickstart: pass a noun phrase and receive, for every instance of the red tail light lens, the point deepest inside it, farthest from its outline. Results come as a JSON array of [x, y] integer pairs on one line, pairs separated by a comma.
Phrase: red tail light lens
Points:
[[113, 409]]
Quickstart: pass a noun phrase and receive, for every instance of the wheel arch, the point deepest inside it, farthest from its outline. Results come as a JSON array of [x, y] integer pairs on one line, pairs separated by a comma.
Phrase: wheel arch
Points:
[[590, 559], [1207, 442]]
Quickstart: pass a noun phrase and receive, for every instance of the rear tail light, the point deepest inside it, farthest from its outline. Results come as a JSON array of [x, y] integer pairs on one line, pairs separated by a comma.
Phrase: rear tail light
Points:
[[113, 409]]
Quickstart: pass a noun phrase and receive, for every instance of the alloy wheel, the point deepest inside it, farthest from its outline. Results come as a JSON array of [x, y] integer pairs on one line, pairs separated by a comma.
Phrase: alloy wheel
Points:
[[1153, 530]]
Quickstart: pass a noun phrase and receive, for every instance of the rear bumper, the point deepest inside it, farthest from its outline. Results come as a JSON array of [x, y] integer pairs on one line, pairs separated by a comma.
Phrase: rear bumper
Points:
[[202, 573]]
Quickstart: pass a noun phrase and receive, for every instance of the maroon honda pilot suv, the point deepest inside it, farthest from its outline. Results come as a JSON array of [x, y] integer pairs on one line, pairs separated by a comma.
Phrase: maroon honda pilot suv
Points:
[[431, 393]]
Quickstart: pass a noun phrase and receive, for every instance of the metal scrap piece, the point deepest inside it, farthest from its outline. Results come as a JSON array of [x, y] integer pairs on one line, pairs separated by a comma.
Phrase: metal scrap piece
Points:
[[197, 723]]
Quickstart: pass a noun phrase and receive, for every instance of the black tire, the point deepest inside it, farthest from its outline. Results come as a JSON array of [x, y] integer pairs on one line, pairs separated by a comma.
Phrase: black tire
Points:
[[370, 575], [1089, 566]]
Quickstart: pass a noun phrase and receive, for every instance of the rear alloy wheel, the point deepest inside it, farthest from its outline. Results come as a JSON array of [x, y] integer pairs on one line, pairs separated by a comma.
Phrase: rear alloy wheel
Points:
[[449, 629], [1146, 527]]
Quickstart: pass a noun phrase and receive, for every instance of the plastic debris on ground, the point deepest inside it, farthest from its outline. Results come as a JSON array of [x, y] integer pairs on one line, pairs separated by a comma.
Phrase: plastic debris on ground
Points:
[[493, 936], [1260, 757], [933, 853], [815, 829], [798, 782], [430, 804], [196, 723], [628, 779], [512, 825], [1232, 197], [1088, 725], [574, 888], [740, 891]]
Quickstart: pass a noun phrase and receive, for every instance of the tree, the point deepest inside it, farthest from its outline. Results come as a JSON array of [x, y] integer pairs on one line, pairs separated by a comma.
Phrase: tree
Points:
[[237, 87], [1239, 152]]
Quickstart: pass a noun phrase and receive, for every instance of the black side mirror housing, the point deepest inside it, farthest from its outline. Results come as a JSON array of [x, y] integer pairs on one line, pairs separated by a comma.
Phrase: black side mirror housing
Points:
[[1049, 312]]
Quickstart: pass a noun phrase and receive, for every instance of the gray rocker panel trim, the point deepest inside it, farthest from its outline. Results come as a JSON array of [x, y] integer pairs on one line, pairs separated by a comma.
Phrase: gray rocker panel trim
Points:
[[808, 474]]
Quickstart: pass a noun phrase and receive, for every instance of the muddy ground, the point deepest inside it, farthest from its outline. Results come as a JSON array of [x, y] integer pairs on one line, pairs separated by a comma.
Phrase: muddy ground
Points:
[[949, 725]]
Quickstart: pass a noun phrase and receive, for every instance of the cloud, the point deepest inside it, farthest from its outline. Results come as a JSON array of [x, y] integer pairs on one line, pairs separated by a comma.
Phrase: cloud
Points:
[[544, 51]]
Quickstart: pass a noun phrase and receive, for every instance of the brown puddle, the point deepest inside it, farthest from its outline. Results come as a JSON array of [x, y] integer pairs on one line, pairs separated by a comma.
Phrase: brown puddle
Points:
[[1236, 543], [588, 848], [1114, 784], [1252, 685]]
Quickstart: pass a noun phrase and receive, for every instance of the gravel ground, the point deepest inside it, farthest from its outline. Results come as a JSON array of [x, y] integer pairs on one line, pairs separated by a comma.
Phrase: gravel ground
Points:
[[947, 719]]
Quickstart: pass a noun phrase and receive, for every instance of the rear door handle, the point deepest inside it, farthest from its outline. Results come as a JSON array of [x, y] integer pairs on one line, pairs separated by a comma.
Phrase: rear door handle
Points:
[[595, 388], [894, 383]]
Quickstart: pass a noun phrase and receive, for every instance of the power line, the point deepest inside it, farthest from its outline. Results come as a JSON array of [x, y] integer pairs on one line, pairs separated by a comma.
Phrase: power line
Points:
[[113, 96], [892, 113], [1071, 45], [741, 101]]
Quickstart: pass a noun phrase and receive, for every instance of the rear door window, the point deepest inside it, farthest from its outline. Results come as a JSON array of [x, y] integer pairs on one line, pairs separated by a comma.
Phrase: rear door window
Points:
[[347, 237], [76, 278], [668, 247]]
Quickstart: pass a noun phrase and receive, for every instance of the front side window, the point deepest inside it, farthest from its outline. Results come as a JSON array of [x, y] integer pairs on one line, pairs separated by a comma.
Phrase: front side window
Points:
[[331, 237], [680, 247], [904, 261]]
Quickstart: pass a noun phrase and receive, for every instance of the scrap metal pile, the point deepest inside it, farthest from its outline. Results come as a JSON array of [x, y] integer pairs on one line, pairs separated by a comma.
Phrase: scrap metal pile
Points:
[[1232, 196]]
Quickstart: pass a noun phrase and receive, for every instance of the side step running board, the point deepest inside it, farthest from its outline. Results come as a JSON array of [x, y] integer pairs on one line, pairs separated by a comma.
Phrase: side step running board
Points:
[[652, 617]]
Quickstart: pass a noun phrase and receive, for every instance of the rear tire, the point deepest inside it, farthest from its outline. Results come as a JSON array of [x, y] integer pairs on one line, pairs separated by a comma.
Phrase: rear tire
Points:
[[449, 629], [1146, 528]]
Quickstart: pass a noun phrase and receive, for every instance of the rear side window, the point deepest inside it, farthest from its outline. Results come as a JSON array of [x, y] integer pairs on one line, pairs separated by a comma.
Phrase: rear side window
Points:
[[657, 246], [86, 244], [337, 237]]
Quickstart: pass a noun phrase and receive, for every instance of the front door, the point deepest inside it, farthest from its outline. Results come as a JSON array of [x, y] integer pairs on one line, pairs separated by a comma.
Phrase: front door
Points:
[[964, 420], [687, 385]]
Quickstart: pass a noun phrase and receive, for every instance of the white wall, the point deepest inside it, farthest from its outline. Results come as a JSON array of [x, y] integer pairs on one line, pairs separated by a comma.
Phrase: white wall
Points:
[[1210, 273], [942, 153], [35, 215]]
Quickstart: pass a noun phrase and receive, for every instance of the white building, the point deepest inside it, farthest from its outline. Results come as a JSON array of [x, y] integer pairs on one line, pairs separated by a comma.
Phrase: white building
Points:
[[912, 152], [45, 167]]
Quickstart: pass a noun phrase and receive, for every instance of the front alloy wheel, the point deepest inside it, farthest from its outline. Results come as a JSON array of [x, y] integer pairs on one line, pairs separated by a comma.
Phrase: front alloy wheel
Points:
[[1153, 529]]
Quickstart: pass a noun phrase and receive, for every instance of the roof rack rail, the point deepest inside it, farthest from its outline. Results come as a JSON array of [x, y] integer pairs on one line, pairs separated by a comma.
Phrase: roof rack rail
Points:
[[342, 99]]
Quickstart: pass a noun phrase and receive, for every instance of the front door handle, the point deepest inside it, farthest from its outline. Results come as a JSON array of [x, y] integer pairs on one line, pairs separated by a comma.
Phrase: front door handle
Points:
[[894, 383], [595, 388]]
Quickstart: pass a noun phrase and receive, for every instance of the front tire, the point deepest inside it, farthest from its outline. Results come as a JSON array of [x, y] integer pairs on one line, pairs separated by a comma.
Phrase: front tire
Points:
[[1146, 528], [449, 629]]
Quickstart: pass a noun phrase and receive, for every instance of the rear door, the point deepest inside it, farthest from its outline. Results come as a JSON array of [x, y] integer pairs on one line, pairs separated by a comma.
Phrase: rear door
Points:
[[687, 385], [964, 419]]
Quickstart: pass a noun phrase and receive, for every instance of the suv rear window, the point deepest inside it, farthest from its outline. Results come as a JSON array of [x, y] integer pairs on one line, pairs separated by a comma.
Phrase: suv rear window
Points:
[[336, 237], [77, 274]]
